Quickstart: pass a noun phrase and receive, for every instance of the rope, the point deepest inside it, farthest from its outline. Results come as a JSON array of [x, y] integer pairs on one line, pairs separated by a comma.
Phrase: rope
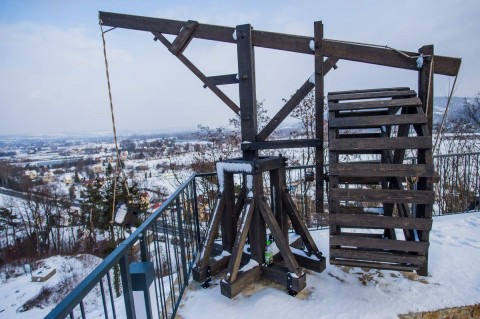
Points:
[[440, 131], [430, 79], [113, 125]]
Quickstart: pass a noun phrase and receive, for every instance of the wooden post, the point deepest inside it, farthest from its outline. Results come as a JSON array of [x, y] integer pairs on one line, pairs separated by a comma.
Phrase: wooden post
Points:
[[248, 120], [425, 84], [319, 94], [228, 225]]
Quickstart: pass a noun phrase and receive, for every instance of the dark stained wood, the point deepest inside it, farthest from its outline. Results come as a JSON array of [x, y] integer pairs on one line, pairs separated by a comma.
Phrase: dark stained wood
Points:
[[200, 75], [319, 114], [279, 274], [299, 225], [369, 90], [277, 181], [269, 163], [247, 88], [376, 243], [258, 230], [382, 170], [329, 63], [231, 289], [380, 144], [285, 110], [227, 225], [184, 37], [242, 232], [376, 121], [278, 144], [377, 256], [407, 102], [282, 243], [425, 85], [361, 135], [379, 221], [279, 41], [372, 95], [383, 195], [223, 79], [312, 263], [211, 233], [375, 265]]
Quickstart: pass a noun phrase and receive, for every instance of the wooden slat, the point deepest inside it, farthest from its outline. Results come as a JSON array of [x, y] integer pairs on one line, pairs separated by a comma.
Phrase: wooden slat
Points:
[[286, 42], [372, 95], [382, 170], [370, 90], [379, 221], [409, 102], [297, 143], [375, 243], [375, 265], [361, 121], [376, 256], [382, 195], [380, 144]]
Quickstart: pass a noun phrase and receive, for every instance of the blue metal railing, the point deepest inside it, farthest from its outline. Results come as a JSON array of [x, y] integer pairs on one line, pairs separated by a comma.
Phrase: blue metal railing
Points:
[[171, 237]]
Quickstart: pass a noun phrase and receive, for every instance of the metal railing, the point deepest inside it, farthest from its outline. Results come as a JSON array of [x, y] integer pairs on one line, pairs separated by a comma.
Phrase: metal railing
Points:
[[169, 240], [171, 237]]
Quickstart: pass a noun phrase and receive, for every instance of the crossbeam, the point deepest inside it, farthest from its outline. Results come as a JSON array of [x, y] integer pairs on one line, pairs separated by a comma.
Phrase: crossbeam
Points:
[[286, 42]]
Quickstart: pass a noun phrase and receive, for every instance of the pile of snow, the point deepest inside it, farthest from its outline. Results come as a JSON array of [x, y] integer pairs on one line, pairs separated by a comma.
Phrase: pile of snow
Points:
[[346, 292]]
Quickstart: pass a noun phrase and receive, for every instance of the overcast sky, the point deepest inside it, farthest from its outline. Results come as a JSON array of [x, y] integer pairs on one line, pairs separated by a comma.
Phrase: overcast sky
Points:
[[52, 76]]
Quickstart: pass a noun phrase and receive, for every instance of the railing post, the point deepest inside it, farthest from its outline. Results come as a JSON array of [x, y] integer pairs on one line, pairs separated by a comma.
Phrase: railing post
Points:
[[127, 287], [182, 240]]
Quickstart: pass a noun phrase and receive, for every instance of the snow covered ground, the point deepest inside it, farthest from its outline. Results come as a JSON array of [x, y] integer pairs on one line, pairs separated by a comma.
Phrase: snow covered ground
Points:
[[342, 292], [18, 293]]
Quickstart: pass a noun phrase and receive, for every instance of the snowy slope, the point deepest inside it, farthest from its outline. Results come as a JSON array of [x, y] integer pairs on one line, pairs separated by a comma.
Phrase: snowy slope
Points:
[[16, 291], [454, 280]]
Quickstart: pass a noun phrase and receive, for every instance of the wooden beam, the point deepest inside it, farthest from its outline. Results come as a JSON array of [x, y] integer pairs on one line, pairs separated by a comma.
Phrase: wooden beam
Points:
[[287, 42], [296, 143], [199, 74], [319, 114], [285, 110], [382, 195], [245, 278], [366, 121]]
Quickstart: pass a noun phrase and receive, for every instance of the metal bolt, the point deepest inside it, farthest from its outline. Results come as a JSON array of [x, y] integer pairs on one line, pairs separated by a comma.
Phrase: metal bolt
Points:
[[245, 77]]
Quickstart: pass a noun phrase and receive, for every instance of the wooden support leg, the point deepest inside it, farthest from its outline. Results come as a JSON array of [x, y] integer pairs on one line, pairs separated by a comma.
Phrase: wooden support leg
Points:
[[228, 227], [282, 244], [200, 271], [299, 225], [242, 231]]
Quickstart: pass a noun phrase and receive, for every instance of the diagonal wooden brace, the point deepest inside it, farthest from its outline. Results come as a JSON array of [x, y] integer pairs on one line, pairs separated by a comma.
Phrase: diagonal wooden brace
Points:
[[282, 243], [299, 225], [243, 226]]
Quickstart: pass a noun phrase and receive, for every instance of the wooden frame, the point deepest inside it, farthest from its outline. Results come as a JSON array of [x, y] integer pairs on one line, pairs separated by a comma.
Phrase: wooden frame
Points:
[[249, 216]]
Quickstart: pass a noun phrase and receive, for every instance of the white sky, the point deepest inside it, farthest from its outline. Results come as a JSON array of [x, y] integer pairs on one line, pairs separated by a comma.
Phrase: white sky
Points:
[[52, 77]]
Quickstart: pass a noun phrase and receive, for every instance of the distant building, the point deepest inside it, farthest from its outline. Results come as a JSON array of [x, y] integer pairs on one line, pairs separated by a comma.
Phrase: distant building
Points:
[[48, 177], [32, 174]]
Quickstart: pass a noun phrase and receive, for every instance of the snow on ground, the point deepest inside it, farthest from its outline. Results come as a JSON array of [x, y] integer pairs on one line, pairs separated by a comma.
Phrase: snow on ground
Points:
[[17, 290], [342, 292]]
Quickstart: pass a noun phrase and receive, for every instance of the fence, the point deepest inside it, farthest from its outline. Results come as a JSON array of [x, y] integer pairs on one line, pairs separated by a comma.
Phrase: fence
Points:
[[170, 239]]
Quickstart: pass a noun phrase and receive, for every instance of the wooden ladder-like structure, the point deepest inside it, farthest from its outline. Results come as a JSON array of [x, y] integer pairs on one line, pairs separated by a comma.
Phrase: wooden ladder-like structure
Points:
[[380, 210]]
